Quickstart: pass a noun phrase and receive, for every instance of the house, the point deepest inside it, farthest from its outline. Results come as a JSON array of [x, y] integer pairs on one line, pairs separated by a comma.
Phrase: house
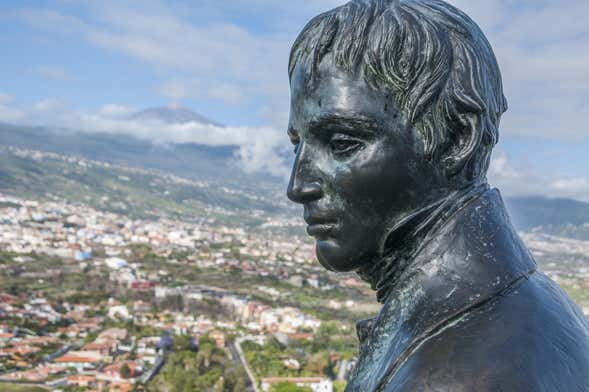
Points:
[[103, 347], [19, 350], [113, 374], [80, 363], [115, 263], [120, 387], [291, 364], [141, 285], [39, 374], [218, 337], [141, 307], [5, 337], [113, 333], [119, 311], [82, 380], [301, 336], [316, 384]]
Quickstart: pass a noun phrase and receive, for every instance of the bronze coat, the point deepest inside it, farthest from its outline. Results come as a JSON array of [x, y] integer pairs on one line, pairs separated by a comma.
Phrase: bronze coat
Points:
[[472, 313]]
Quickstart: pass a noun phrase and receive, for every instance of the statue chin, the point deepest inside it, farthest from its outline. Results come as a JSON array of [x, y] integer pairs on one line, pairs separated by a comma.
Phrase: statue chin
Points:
[[332, 256]]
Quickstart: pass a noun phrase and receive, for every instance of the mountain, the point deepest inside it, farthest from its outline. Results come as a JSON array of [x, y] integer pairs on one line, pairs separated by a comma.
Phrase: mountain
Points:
[[218, 167], [172, 115], [557, 216], [137, 193], [192, 161]]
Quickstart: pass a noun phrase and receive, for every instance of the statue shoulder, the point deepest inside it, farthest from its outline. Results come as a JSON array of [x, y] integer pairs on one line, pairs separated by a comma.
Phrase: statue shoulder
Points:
[[533, 330]]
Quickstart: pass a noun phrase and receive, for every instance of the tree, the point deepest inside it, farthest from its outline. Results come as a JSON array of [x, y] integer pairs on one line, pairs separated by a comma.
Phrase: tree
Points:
[[220, 385], [90, 337], [184, 343], [339, 386], [317, 364], [289, 387], [125, 371]]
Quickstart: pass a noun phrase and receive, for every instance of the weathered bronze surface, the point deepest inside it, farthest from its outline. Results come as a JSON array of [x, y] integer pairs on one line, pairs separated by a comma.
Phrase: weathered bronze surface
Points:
[[395, 110]]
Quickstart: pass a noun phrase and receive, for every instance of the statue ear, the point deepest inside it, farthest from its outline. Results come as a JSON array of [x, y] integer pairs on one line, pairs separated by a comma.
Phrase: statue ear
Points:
[[465, 140]]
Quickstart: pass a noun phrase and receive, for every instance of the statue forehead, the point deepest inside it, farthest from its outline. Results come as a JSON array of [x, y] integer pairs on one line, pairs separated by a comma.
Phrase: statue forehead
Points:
[[331, 90]]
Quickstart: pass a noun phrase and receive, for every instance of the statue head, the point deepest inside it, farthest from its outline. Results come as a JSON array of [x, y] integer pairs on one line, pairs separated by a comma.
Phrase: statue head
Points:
[[395, 104]]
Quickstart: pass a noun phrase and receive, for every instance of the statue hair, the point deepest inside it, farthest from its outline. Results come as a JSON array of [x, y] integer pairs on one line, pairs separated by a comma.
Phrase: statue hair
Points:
[[433, 60]]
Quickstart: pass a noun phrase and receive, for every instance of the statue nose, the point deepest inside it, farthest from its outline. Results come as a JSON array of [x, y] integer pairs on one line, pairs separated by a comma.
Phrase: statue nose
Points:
[[304, 186], [304, 192]]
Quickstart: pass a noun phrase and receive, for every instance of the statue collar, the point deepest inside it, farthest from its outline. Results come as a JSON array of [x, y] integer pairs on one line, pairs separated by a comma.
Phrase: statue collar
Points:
[[410, 236], [460, 265]]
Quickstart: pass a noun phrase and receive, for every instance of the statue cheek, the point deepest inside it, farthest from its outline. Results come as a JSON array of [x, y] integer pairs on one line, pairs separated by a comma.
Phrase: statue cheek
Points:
[[373, 175]]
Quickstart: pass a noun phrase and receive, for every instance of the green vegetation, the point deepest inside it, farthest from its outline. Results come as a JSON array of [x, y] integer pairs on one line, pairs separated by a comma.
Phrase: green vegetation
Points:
[[289, 387], [134, 193], [314, 357], [55, 278], [8, 387], [579, 294], [209, 368], [125, 371]]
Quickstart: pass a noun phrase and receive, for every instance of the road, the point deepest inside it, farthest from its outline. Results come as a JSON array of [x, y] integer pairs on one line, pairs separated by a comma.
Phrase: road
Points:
[[237, 353]]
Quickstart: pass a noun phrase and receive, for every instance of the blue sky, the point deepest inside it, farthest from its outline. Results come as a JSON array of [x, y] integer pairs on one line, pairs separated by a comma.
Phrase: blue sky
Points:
[[88, 64]]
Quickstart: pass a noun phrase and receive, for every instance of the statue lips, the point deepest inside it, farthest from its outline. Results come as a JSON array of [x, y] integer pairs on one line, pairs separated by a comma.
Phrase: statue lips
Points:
[[320, 231], [319, 226]]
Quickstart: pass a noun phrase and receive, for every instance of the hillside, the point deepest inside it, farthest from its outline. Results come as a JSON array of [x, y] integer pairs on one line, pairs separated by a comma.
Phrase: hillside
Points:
[[182, 159], [561, 217], [138, 193], [223, 185], [172, 115]]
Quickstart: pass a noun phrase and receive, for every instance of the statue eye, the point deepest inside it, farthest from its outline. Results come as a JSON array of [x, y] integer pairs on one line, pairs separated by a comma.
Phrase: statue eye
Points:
[[344, 144], [295, 139]]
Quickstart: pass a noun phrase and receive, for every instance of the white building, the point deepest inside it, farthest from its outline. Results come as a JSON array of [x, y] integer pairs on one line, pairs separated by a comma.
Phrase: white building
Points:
[[317, 384]]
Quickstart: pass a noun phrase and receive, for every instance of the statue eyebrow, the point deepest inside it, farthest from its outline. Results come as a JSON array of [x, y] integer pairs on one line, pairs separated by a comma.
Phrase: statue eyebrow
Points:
[[293, 135], [333, 122]]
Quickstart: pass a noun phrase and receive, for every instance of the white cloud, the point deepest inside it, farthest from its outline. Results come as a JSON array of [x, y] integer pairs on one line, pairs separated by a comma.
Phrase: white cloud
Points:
[[572, 187], [8, 114], [543, 50], [227, 93], [501, 168], [542, 47], [116, 111], [511, 179], [217, 60], [165, 39], [5, 99], [518, 180], [49, 105], [259, 148], [53, 72], [180, 88]]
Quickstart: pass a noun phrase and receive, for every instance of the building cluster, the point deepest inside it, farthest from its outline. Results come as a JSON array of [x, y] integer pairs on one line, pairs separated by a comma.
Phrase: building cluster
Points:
[[61, 229], [252, 315], [83, 353], [78, 348], [71, 344], [93, 347], [564, 260]]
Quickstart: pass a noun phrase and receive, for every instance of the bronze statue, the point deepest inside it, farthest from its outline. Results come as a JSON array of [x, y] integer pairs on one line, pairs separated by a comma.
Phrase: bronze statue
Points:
[[395, 110]]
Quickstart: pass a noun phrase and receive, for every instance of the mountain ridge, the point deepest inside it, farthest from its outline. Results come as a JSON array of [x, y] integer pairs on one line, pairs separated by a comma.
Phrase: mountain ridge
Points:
[[218, 166], [172, 115]]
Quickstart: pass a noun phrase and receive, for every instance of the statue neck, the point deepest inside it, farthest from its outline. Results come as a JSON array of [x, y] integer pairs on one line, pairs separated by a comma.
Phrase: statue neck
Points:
[[407, 239]]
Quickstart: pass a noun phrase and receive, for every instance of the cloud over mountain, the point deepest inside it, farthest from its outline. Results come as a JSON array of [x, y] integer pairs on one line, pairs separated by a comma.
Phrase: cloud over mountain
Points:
[[229, 58], [260, 149]]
